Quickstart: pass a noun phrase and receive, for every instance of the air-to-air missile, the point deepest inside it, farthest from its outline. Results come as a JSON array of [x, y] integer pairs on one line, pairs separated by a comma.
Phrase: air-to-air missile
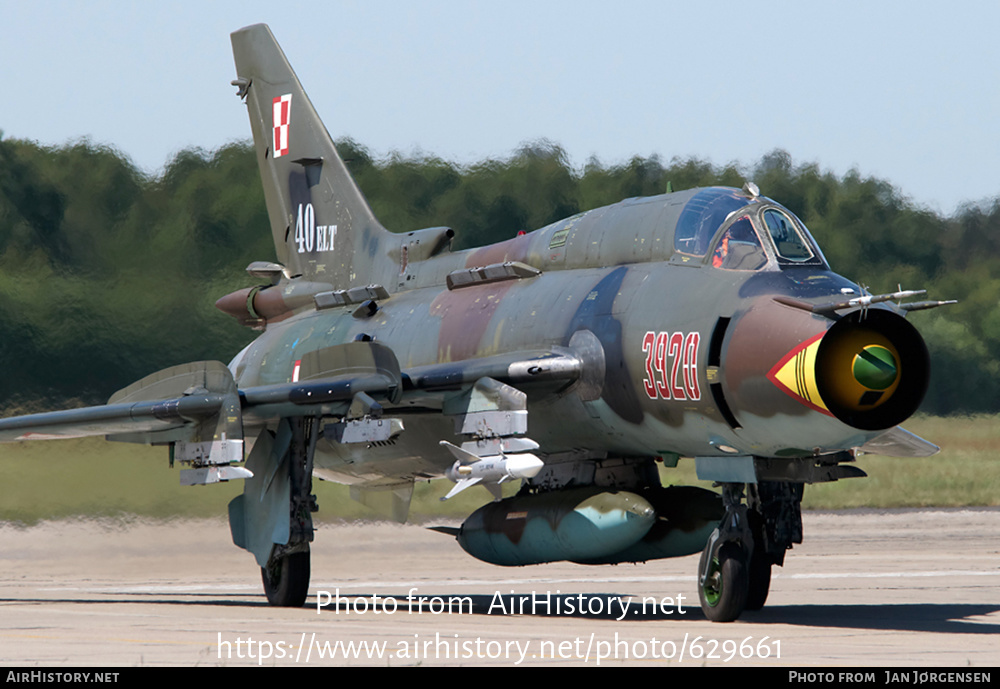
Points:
[[492, 469], [702, 323]]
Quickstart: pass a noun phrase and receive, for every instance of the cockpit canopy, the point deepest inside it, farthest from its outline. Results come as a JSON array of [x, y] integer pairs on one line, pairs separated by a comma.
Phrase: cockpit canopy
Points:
[[743, 232]]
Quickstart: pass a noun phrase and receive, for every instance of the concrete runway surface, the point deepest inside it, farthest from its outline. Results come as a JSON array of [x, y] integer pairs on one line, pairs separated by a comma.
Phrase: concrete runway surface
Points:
[[886, 588]]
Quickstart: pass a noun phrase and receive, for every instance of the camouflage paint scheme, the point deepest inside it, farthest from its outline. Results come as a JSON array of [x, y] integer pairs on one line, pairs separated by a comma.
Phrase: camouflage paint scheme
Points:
[[428, 324], [703, 323]]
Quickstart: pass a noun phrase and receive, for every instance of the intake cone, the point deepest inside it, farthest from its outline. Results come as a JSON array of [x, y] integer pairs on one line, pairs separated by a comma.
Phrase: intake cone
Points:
[[872, 369]]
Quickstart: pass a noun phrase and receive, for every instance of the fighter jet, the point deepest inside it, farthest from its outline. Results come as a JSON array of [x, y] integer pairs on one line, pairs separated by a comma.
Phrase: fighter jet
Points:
[[577, 358]]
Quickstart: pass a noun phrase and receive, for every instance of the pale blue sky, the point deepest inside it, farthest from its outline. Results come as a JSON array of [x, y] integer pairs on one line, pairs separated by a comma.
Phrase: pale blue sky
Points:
[[905, 91]]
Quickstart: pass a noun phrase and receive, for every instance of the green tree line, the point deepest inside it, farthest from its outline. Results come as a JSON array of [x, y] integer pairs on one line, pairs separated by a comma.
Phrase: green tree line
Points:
[[107, 274]]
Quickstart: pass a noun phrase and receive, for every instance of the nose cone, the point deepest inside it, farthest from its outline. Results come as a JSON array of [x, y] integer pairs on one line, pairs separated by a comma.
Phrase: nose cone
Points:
[[872, 369], [868, 369], [235, 304], [875, 368], [525, 465]]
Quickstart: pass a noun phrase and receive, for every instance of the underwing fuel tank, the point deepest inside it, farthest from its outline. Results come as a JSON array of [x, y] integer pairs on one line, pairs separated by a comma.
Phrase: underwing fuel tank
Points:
[[685, 518], [578, 524]]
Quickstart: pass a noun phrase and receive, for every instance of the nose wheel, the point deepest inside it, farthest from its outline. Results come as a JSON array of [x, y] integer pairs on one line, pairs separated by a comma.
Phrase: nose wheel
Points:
[[723, 582], [724, 570]]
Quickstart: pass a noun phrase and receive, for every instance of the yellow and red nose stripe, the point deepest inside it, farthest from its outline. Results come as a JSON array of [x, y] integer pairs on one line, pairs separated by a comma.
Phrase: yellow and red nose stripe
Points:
[[860, 370], [796, 374]]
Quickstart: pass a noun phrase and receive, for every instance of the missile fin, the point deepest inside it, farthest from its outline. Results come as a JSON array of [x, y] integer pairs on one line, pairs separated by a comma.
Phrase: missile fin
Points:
[[462, 485]]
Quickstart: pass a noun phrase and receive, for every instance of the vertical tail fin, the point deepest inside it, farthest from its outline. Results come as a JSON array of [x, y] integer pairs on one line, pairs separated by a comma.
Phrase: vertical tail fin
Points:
[[323, 228]]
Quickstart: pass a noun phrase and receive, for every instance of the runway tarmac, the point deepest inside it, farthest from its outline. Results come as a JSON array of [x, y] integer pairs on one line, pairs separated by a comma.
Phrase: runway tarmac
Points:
[[878, 589]]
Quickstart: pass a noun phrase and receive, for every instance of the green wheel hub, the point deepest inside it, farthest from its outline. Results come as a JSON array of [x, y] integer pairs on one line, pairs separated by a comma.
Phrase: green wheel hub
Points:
[[712, 587]]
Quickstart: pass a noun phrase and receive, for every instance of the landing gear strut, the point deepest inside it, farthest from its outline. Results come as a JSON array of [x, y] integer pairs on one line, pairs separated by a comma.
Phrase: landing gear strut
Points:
[[775, 513]]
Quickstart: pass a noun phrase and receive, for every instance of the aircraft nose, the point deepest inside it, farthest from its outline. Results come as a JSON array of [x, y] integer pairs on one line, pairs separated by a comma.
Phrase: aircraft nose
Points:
[[867, 368], [870, 370]]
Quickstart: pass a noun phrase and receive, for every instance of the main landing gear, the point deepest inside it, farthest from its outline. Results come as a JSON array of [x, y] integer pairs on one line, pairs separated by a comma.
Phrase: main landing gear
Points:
[[286, 574], [734, 573], [286, 580]]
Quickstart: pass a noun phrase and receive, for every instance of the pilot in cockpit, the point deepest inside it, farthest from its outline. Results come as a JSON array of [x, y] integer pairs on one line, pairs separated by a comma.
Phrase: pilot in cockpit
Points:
[[739, 248]]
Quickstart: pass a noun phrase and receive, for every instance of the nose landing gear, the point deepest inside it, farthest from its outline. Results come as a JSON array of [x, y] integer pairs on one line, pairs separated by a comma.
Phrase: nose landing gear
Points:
[[734, 573]]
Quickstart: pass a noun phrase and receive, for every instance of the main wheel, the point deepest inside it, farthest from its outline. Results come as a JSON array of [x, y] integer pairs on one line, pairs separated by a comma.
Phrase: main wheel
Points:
[[286, 581], [722, 586]]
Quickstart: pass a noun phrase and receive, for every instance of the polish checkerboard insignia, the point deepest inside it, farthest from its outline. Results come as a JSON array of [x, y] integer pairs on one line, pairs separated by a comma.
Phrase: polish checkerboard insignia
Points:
[[281, 111]]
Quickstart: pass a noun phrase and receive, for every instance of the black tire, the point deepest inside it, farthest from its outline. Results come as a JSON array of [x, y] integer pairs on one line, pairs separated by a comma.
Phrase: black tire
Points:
[[759, 583], [759, 569], [723, 592], [286, 582]]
